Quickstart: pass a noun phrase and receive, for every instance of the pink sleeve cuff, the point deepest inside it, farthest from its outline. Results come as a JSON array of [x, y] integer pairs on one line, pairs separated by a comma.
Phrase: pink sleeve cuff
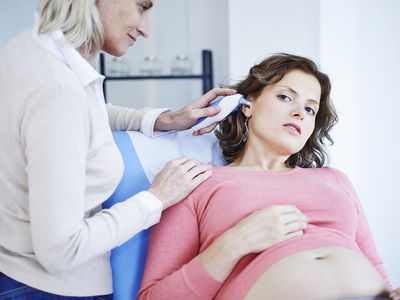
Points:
[[199, 281]]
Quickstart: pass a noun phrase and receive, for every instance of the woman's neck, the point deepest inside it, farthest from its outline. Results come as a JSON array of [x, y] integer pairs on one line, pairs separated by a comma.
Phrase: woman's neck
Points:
[[257, 160]]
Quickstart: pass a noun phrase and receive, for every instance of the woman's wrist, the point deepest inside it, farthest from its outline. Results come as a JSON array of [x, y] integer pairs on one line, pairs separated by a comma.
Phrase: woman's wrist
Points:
[[220, 257], [233, 244], [165, 121]]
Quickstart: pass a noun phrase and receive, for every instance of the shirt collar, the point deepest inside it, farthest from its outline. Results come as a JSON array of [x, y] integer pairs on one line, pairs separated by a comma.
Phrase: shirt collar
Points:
[[53, 42]]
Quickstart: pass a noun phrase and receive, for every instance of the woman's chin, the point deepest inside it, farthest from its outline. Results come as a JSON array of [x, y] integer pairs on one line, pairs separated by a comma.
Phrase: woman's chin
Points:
[[289, 150], [118, 51]]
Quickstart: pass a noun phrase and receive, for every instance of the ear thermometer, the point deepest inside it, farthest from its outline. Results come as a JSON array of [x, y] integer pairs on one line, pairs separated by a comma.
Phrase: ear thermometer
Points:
[[228, 105]]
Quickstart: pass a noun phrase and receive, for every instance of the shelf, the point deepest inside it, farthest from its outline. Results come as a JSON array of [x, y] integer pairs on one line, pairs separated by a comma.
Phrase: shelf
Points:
[[138, 77], [206, 76]]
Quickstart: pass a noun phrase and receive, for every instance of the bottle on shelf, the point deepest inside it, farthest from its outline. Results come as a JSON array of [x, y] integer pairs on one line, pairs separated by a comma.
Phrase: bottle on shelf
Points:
[[181, 65], [150, 66]]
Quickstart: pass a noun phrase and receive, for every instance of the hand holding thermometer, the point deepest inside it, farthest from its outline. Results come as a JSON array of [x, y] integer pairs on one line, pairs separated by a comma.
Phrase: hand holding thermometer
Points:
[[228, 105]]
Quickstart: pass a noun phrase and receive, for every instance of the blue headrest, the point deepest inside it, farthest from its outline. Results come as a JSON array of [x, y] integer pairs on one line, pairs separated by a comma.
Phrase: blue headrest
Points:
[[128, 260]]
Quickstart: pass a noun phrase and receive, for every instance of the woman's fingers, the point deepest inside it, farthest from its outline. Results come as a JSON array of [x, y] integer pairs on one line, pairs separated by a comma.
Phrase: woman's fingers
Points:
[[285, 208], [293, 227], [293, 217], [170, 165], [198, 170], [205, 130], [185, 117], [201, 177], [204, 110], [200, 108], [293, 234], [189, 164], [178, 178], [205, 100]]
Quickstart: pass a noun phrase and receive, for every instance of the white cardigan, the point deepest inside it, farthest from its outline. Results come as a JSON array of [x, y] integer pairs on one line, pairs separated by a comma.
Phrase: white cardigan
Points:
[[58, 163]]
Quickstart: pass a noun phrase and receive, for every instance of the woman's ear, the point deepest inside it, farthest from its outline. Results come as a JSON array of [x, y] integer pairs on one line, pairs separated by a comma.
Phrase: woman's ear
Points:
[[247, 110]]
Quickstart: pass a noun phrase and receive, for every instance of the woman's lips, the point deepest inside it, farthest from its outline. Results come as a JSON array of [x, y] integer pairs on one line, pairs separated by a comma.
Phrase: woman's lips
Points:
[[293, 128], [132, 38]]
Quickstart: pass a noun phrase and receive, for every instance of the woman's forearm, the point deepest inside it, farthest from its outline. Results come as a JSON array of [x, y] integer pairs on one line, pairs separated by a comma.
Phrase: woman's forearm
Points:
[[221, 257]]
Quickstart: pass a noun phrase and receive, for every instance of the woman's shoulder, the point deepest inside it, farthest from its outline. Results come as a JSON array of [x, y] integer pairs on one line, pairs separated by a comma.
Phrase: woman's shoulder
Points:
[[220, 175], [27, 61], [332, 171], [328, 173], [323, 170], [219, 170]]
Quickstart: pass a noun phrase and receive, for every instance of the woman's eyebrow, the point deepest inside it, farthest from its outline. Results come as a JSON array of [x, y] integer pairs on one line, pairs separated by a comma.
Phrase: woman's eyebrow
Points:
[[313, 101], [289, 88], [296, 93]]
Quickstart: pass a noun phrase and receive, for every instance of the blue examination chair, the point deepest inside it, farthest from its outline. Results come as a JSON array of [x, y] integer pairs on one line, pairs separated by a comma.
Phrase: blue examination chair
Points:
[[143, 158]]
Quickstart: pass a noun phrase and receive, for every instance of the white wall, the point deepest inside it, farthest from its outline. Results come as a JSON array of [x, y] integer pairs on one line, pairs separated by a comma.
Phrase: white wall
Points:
[[377, 123], [338, 57], [357, 42], [362, 53], [258, 28], [15, 15]]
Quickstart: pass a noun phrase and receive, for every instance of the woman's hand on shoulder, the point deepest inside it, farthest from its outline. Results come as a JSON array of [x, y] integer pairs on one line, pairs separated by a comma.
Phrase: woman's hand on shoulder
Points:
[[188, 115], [266, 227], [178, 179]]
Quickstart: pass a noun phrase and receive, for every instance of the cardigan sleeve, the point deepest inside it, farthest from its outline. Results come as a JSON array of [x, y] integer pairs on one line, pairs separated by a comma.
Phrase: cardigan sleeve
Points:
[[130, 119], [173, 269], [364, 238]]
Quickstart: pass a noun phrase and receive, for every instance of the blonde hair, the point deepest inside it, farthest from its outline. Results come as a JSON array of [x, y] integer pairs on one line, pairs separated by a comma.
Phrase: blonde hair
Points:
[[79, 20]]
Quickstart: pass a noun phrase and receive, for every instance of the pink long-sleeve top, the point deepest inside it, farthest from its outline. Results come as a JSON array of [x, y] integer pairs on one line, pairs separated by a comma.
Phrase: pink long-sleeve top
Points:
[[324, 195]]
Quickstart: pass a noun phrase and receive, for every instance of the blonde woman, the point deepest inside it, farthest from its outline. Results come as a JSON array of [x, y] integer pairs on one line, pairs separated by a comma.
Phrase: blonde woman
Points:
[[58, 158]]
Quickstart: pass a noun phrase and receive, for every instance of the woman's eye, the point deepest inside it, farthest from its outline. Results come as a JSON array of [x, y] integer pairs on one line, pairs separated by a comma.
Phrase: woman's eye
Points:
[[284, 98], [310, 110], [142, 8]]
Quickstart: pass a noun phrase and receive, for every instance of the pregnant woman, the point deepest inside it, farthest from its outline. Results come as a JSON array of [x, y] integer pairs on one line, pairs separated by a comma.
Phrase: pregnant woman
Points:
[[275, 223]]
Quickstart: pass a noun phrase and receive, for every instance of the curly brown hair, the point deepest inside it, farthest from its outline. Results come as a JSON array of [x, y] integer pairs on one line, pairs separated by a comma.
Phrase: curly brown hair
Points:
[[268, 72]]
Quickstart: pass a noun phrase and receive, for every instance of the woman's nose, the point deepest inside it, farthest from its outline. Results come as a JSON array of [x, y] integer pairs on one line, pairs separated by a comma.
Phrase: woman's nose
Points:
[[144, 27], [298, 114]]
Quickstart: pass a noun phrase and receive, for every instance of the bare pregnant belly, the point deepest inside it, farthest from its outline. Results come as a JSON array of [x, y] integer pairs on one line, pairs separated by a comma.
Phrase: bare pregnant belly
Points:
[[323, 273]]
